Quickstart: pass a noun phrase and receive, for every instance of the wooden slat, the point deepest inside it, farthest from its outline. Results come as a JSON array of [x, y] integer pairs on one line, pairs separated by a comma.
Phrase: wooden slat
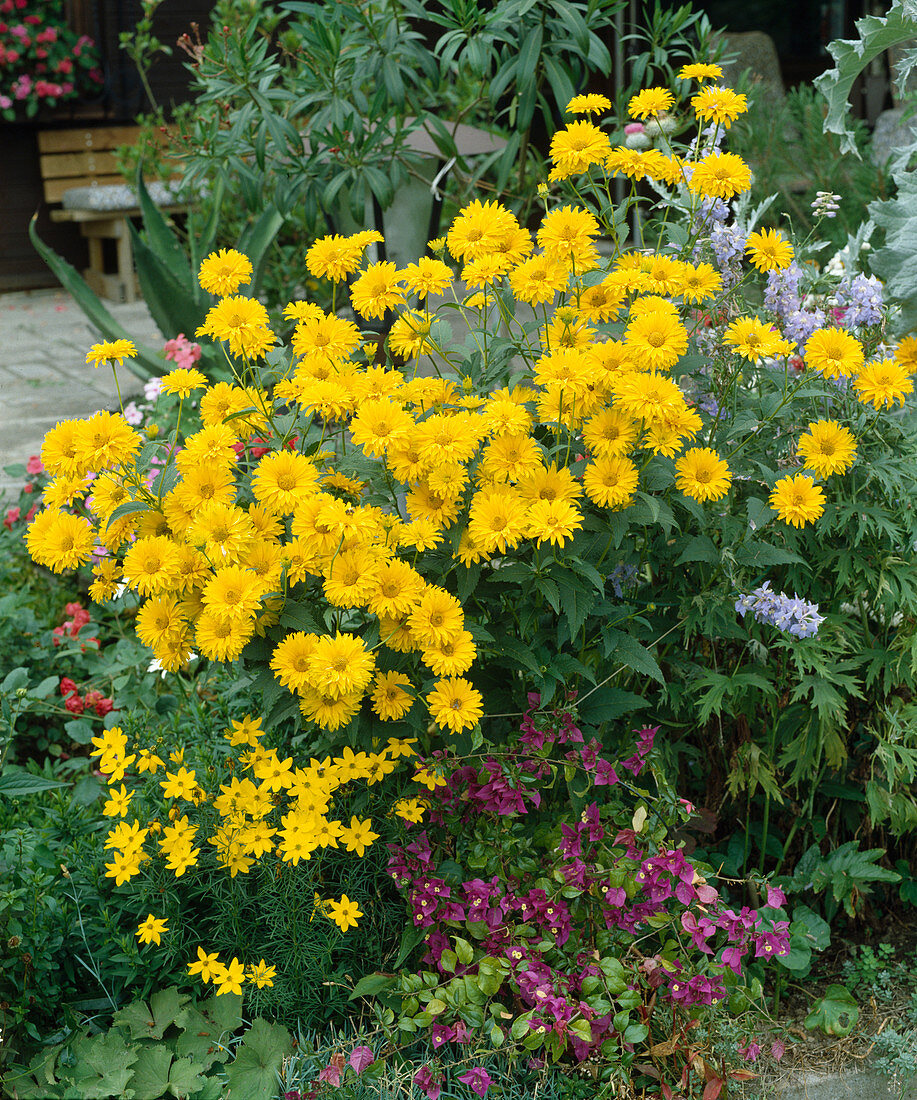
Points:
[[63, 165], [61, 215], [54, 189], [97, 137]]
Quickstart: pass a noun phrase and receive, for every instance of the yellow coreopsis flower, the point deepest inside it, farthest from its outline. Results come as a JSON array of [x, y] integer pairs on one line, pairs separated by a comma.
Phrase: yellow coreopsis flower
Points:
[[151, 929], [345, 913]]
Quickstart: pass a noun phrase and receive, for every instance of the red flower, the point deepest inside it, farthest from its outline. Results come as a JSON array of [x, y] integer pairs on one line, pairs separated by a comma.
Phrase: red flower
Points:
[[67, 686], [74, 704], [12, 514]]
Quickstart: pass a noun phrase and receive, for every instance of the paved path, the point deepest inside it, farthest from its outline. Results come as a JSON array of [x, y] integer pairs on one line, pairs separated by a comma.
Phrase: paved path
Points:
[[44, 378]]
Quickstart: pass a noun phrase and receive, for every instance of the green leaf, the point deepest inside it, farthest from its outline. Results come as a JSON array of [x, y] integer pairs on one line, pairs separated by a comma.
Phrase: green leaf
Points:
[[836, 1013], [253, 1072], [15, 782], [256, 241], [608, 703], [371, 984], [153, 1021], [147, 363], [699, 548], [410, 938], [14, 680], [103, 1066], [162, 239], [851, 57], [171, 305], [464, 950], [634, 655]]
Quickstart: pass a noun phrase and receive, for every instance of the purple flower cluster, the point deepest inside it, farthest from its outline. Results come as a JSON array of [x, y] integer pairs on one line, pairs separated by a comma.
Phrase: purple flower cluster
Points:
[[860, 300], [613, 876], [795, 616], [784, 296]]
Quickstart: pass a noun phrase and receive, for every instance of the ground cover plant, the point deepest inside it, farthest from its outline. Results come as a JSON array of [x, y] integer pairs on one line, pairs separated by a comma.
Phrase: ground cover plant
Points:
[[512, 586]]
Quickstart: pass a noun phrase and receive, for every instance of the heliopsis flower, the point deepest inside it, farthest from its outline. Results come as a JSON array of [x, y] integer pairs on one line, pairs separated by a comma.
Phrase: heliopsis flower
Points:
[[329, 710], [699, 282], [455, 705], [341, 665], [111, 351], [753, 339], [610, 482], [233, 592], [610, 432], [151, 565], [538, 279], [553, 521], [588, 104], [333, 257], [720, 105], [59, 540], [183, 381], [656, 341], [702, 474], [648, 396], [477, 229], [497, 520], [575, 148], [650, 101], [700, 71], [151, 930], [345, 913], [451, 656], [219, 638], [797, 500], [325, 339], [242, 323], [768, 250], [827, 448], [720, 175], [390, 700], [567, 234], [601, 301], [282, 480], [223, 272], [833, 352], [104, 441], [378, 424], [437, 616], [906, 353], [883, 383], [427, 276], [377, 290]]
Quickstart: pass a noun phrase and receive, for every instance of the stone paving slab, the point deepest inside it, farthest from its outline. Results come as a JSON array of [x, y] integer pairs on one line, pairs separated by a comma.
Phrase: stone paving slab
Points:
[[44, 378]]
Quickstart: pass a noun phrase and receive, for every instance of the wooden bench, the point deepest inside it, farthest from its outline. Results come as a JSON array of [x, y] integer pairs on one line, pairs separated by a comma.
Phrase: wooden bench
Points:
[[85, 158]]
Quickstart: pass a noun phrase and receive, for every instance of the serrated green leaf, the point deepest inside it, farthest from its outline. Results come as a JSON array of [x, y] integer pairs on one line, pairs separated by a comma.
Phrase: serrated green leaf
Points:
[[628, 650]]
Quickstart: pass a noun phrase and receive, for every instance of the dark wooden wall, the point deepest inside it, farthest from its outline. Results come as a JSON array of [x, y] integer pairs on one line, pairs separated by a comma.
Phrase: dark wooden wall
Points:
[[120, 101]]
